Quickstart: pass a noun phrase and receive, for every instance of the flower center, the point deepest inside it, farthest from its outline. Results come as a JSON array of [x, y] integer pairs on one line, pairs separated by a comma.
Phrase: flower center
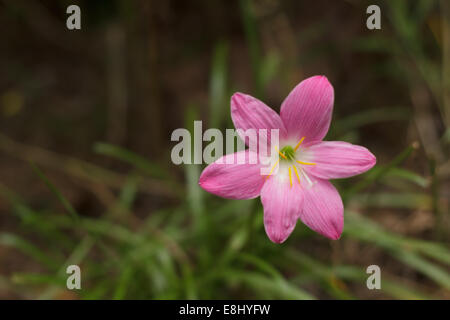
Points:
[[288, 152]]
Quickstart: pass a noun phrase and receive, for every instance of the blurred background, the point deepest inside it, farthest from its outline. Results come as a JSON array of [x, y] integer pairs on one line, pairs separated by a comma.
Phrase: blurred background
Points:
[[85, 171]]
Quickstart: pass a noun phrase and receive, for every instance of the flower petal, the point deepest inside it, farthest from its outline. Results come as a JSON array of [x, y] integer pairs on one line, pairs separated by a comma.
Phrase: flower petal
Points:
[[338, 159], [236, 180], [323, 210], [282, 206], [306, 112], [250, 113]]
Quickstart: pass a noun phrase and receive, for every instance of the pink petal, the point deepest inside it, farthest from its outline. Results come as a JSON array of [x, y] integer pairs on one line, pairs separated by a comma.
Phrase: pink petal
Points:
[[306, 112], [233, 181], [250, 113], [337, 159], [282, 205], [323, 210]]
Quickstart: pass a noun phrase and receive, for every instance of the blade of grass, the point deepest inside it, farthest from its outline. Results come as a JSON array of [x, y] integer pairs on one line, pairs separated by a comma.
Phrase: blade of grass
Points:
[[251, 33], [366, 117], [12, 240], [409, 176], [77, 256], [389, 285], [36, 221], [275, 288], [379, 172], [121, 289], [394, 200], [366, 230], [401, 248], [131, 158], [434, 272], [66, 204], [218, 84]]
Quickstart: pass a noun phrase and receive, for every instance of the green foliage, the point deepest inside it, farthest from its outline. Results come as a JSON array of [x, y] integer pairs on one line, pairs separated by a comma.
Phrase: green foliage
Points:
[[154, 259]]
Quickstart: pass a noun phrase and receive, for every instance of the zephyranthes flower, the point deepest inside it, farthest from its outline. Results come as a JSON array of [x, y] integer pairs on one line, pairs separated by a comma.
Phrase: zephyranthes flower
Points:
[[300, 189]]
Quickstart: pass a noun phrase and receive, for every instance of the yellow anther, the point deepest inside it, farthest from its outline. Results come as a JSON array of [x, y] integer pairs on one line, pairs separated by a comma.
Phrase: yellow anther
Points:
[[271, 170], [299, 143], [296, 173], [306, 163], [290, 176]]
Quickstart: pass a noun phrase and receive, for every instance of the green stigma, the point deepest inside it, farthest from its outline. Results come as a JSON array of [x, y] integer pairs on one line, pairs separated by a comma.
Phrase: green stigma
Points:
[[288, 152]]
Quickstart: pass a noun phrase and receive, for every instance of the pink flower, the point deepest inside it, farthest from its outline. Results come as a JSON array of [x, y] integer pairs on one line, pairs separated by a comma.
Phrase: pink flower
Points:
[[300, 189]]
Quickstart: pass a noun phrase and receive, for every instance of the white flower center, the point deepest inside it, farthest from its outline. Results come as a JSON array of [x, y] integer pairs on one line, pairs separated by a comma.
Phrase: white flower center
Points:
[[291, 162]]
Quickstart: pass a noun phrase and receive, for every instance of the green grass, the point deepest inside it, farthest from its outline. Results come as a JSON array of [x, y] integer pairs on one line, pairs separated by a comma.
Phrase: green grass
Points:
[[169, 256]]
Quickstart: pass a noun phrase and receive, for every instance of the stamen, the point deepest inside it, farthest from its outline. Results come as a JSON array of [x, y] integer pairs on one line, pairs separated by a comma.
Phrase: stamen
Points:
[[271, 170], [282, 154], [296, 173], [299, 143], [307, 178], [290, 176], [306, 163]]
